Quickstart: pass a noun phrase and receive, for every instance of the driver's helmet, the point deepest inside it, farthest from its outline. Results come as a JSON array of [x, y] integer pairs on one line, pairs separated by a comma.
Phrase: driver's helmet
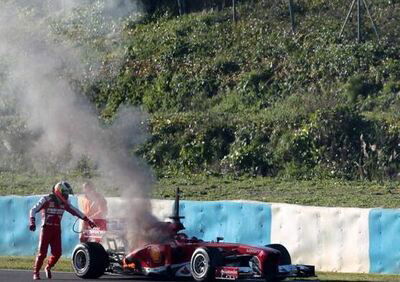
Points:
[[62, 190]]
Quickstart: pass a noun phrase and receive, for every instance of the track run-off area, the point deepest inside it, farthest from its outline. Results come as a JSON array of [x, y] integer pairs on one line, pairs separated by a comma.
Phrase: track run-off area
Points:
[[26, 275]]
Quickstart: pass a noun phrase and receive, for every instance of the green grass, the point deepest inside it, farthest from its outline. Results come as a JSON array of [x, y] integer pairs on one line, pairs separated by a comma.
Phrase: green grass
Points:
[[65, 265], [329, 276], [27, 263], [25, 183], [37, 184], [328, 193]]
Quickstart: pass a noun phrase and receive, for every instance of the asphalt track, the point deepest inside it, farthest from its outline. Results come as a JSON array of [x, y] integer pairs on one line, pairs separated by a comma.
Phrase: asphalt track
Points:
[[26, 275]]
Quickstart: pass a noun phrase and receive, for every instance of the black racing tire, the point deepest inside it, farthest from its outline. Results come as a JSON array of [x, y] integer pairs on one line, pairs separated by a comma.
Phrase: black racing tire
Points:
[[285, 256], [272, 278], [270, 273], [89, 260], [203, 263]]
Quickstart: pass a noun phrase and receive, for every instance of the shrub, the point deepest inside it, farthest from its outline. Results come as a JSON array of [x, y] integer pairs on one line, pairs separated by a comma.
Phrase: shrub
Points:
[[250, 151], [358, 87], [187, 142], [253, 87]]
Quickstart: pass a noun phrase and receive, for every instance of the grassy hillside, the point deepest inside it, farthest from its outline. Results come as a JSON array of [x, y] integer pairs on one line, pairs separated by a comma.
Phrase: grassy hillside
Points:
[[252, 98], [247, 109]]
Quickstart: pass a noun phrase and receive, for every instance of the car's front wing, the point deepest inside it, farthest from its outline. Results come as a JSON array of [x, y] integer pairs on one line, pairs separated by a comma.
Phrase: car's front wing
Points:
[[234, 273], [296, 270]]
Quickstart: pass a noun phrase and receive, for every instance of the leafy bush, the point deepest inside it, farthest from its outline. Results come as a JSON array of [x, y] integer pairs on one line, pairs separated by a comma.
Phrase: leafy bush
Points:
[[254, 88], [187, 142], [250, 151], [359, 87]]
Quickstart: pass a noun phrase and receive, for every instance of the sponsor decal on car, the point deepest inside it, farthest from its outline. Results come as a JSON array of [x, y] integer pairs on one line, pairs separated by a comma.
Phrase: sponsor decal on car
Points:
[[252, 251], [227, 272]]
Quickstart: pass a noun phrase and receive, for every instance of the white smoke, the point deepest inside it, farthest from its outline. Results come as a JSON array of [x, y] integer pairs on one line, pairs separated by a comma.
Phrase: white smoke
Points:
[[37, 70]]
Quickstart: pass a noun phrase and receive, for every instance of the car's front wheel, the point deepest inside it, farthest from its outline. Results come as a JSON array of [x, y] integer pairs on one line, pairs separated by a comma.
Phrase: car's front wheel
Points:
[[89, 260], [271, 274], [203, 263], [285, 256]]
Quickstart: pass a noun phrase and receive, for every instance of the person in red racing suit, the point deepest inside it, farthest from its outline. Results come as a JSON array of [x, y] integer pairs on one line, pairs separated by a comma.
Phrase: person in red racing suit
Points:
[[52, 207]]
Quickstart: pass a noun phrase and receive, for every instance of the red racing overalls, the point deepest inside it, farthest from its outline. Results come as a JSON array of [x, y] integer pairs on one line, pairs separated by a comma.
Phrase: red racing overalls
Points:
[[52, 212]]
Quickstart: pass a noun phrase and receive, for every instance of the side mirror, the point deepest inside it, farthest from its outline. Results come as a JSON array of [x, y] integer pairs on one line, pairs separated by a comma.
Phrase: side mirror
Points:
[[219, 239]]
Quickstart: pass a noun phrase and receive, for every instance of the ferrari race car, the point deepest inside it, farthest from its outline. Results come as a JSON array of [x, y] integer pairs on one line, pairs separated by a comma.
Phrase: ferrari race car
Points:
[[184, 257]]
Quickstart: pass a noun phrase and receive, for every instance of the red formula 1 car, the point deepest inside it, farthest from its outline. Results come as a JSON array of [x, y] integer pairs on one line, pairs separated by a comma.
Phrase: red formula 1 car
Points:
[[181, 256]]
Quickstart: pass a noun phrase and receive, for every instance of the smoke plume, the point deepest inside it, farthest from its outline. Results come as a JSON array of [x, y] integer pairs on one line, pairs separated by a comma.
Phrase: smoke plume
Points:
[[35, 75]]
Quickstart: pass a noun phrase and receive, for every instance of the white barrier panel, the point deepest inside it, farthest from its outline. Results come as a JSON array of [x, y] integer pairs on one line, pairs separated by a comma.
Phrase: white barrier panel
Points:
[[332, 239], [162, 209]]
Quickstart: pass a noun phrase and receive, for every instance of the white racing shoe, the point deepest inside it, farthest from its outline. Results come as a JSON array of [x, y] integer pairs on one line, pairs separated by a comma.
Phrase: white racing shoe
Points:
[[47, 270]]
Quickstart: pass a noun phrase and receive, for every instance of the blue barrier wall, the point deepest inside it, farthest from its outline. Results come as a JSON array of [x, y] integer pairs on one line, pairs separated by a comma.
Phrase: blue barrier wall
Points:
[[243, 222], [384, 233], [235, 221], [248, 223], [16, 239]]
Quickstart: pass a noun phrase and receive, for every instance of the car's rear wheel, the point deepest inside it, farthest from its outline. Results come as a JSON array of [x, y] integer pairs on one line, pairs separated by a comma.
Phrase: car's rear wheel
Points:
[[203, 263], [89, 260]]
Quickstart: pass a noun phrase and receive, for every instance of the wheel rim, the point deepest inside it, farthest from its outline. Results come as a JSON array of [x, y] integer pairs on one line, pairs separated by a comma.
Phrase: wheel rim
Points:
[[80, 261], [200, 265]]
